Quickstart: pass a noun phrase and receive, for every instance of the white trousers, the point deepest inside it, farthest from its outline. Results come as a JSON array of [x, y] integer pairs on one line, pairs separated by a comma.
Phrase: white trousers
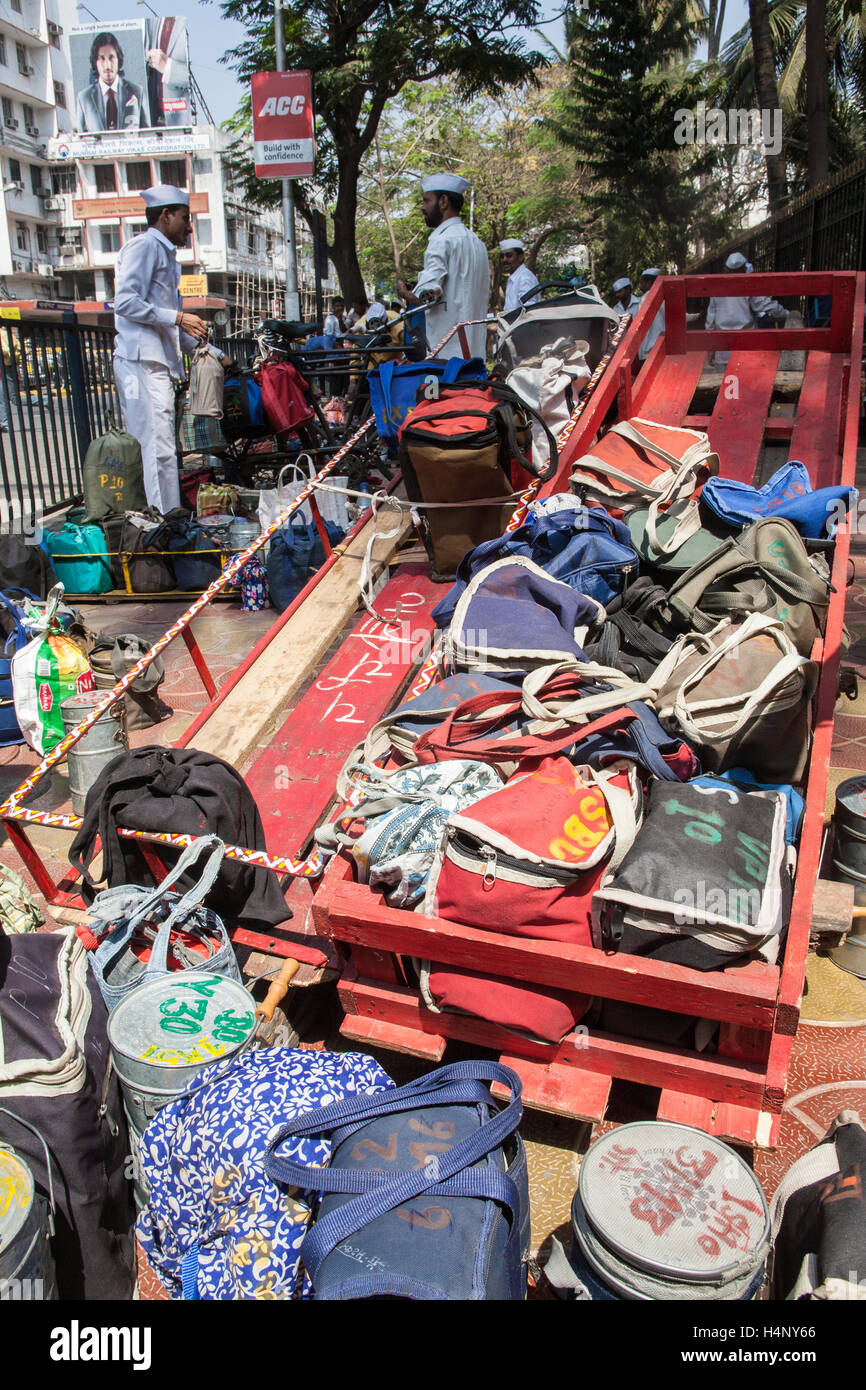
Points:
[[146, 394]]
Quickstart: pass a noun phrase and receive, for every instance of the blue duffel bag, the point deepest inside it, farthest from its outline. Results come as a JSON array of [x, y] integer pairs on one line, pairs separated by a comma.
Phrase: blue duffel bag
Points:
[[19, 636], [79, 556], [586, 548], [296, 552], [787, 494], [394, 387], [425, 1195], [195, 555]]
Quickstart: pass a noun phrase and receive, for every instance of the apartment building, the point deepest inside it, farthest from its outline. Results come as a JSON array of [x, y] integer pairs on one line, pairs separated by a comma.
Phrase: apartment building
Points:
[[35, 93]]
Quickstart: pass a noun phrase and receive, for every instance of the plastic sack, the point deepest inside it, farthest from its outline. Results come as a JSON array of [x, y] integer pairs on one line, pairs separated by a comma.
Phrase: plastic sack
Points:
[[47, 671]]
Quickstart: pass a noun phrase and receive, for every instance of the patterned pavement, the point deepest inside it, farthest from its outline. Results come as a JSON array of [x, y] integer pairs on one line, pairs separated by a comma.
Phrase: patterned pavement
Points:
[[829, 1061]]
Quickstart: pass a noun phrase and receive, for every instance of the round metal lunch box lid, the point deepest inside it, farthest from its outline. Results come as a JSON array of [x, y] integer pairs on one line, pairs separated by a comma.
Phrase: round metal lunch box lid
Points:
[[851, 796], [674, 1201], [16, 1196], [182, 1019]]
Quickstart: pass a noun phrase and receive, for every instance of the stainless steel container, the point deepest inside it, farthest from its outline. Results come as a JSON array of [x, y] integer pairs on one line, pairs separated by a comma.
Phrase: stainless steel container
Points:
[[99, 745], [165, 1033], [665, 1212], [26, 1265]]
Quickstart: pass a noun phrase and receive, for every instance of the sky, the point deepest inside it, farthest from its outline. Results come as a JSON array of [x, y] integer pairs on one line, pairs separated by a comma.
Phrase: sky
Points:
[[210, 36]]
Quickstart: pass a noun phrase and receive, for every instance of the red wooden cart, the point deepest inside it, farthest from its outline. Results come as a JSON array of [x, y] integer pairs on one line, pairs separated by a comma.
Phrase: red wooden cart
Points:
[[736, 1093]]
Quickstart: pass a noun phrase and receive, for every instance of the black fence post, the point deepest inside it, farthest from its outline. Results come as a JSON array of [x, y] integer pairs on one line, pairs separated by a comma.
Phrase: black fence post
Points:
[[77, 383]]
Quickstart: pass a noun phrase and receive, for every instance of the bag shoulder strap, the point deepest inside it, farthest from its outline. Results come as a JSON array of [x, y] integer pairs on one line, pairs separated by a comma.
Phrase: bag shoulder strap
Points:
[[452, 1173]]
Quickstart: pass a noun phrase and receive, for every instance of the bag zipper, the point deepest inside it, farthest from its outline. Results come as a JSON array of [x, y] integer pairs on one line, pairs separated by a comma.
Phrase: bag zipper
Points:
[[494, 858]]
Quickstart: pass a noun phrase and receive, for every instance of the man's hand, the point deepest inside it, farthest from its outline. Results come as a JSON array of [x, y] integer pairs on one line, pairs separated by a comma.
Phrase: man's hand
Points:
[[194, 326], [157, 59], [402, 288]]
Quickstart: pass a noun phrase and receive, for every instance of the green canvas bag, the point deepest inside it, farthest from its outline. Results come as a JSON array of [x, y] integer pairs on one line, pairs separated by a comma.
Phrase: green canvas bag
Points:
[[112, 475], [765, 569]]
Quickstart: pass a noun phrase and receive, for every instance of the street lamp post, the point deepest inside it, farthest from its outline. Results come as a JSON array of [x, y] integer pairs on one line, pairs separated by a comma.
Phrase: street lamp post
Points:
[[292, 300]]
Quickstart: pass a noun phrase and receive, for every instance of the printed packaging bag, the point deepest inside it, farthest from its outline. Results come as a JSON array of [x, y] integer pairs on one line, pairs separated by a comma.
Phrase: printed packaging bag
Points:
[[49, 670]]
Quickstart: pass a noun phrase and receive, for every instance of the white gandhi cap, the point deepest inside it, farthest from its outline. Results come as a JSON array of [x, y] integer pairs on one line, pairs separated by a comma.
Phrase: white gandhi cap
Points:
[[653, 270], [444, 183], [511, 244], [621, 283], [735, 261], [165, 195]]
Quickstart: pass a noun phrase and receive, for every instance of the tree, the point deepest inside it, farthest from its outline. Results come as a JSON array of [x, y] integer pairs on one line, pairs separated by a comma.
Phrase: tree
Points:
[[623, 114], [361, 53], [525, 183], [764, 62], [816, 57]]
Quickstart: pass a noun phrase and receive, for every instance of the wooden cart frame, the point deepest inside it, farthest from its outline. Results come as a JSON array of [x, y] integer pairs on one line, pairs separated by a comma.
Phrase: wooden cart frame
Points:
[[736, 1093]]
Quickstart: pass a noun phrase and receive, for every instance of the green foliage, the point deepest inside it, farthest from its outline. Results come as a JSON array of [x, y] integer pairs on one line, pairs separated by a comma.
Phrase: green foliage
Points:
[[846, 53], [650, 197], [361, 54]]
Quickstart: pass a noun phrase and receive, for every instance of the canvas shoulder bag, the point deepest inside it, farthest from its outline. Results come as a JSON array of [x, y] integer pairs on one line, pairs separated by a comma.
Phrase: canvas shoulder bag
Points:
[[741, 696], [765, 569], [639, 462]]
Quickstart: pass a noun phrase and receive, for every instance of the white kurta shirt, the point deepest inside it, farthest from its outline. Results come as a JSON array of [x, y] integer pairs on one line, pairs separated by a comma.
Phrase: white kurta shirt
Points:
[[456, 263], [657, 328], [734, 311], [146, 303], [630, 308], [520, 282]]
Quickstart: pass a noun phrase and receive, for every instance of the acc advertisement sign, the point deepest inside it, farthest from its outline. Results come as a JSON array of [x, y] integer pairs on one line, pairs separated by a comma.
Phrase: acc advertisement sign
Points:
[[283, 125]]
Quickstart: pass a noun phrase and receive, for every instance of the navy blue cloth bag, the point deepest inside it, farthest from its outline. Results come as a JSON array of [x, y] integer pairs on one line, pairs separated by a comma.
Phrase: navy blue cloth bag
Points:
[[295, 553], [788, 494], [394, 387], [426, 1194], [588, 550]]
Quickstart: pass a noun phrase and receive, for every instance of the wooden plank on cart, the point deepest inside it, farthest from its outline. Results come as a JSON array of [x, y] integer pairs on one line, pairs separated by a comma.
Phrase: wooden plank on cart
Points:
[[254, 708], [740, 415], [377, 1032], [735, 1124], [671, 390], [293, 780], [581, 1095], [817, 436]]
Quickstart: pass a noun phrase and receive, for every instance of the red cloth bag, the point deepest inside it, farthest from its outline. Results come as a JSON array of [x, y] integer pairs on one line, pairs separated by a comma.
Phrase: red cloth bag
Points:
[[284, 396], [526, 860]]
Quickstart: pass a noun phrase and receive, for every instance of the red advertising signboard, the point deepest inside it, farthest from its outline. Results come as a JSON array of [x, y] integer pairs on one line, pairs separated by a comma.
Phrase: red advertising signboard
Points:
[[283, 125]]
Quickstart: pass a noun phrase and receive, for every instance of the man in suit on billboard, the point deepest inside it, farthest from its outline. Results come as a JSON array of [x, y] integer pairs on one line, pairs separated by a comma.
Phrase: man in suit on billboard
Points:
[[165, 44], [110, 102]]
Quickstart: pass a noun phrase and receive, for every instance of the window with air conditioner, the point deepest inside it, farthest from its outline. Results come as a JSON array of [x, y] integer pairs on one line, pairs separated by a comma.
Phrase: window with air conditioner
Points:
[[21, 54], [63, 180], [22, 237], [15, 171], [60, 94], [8, 113]]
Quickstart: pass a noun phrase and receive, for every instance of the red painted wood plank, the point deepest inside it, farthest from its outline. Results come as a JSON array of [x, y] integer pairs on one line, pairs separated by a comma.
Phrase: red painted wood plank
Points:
[[293, 779], [670, 391], [353, 914], [719, 1079], [817, 425], [735, 1124], [581, 1095], [372, 1032], [737, 426], [754, 339]]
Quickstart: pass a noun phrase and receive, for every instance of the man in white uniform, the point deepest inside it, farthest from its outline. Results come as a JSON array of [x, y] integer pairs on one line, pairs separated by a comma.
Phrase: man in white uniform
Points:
[[657, 327], [152, 330], [625, 302], [739, 311], [521, 279], [456, 275]]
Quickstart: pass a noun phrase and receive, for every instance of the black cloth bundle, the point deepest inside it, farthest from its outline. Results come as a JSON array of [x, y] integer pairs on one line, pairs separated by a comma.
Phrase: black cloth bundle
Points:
[[186, 792]]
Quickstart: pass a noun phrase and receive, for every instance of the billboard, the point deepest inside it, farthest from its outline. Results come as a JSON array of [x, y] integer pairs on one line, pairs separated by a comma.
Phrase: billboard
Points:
[[130, 74], [282, 105]]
